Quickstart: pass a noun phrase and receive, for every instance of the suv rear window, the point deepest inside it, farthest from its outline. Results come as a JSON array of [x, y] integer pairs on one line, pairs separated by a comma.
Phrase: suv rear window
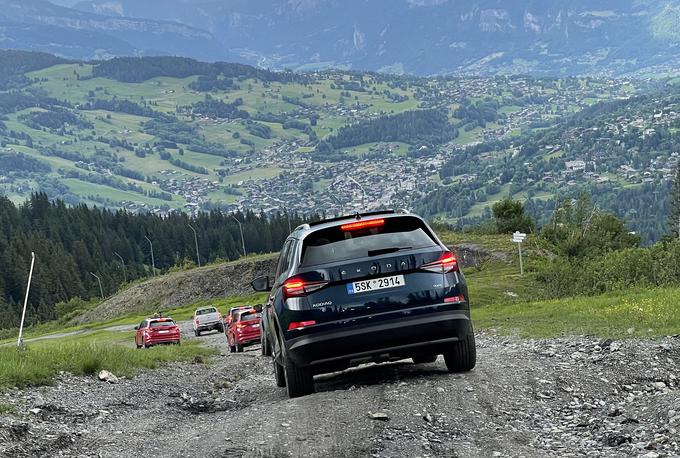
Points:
[[247, 316], [158, 324], [205, 311], [335, 244]]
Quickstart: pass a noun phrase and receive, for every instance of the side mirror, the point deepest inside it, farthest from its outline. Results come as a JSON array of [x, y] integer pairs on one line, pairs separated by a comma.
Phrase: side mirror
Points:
[[258, 308], [261, 284], [136, 328]]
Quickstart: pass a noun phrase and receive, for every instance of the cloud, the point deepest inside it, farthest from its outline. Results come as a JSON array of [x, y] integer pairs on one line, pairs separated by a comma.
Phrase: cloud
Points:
[[426, 2]]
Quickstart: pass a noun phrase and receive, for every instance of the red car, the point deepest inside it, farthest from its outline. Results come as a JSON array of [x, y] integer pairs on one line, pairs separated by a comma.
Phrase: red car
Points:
[[229, 317], [154, 331], [243, 329]]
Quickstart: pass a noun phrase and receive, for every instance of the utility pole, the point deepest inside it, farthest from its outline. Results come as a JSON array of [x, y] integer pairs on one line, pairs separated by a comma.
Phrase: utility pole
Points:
[[240, 226], [101, 290], [363, 192], [123, 263], [153, 261], [20, 342], [198, 256]]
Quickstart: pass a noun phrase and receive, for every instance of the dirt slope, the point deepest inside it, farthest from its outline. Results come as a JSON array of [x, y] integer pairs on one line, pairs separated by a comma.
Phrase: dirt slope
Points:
[[182, 288]]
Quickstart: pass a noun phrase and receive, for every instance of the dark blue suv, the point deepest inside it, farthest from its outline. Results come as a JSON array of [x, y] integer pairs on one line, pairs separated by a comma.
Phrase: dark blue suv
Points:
[[371, 287]]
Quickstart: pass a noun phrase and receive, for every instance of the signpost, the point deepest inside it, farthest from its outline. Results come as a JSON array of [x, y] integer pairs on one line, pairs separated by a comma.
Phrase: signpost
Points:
[[518, 237], [20, 342]]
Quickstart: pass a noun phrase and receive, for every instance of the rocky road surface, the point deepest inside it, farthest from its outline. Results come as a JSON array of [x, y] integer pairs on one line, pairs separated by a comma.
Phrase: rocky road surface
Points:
[[561, 397]]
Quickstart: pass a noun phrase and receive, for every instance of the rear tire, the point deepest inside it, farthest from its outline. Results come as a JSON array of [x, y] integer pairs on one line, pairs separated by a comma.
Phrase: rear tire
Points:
[[299, 380], [221, 328], [196, 333], [462, 355], [239, 348], [279, 374], [424, 359]]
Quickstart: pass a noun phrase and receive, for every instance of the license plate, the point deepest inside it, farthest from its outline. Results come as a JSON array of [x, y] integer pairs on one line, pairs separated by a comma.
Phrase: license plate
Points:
[[256, 325], [375, 284], [163, 332]]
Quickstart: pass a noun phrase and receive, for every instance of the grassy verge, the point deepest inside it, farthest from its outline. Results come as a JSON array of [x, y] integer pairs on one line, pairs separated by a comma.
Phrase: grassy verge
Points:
[[85, 355], [641, 313], [181, 313]]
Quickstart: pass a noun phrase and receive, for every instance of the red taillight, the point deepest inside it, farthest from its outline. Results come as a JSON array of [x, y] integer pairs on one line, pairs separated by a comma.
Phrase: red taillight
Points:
[[455, 299], [197, 322], [363, 224], [296, 287], [447, 262], [300, 324], [241, 324]]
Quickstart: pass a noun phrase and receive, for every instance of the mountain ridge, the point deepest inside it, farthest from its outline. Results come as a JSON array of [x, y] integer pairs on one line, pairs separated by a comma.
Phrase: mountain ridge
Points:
[[428, 37]]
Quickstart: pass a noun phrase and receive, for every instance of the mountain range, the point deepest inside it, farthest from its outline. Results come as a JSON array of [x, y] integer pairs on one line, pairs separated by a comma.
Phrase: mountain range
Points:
[[424, 37]]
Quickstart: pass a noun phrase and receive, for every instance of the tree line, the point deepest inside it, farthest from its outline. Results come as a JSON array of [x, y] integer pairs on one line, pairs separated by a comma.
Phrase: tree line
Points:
[[70, 243], [417, 126], [139, 69]]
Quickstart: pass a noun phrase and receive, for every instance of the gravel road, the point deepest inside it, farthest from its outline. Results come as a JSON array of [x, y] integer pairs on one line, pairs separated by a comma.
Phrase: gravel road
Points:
[[561, 397]]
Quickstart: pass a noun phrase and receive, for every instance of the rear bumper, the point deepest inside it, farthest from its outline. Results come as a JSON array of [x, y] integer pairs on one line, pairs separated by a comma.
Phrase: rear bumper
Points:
[[247, 339], [208, 326], [162, 339], [431, 333]]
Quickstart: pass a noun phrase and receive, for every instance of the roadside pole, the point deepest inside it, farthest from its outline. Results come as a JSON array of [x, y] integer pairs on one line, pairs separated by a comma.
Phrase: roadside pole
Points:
[[243, 240], [20, 343], [101, 290], [518, 238]]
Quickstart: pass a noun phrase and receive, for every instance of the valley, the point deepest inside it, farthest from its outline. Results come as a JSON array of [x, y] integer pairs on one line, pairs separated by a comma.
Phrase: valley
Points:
[[163, 134]]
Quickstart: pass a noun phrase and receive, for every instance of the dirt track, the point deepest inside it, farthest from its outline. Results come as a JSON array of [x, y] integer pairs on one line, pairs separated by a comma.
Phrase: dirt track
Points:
[[567, 397]]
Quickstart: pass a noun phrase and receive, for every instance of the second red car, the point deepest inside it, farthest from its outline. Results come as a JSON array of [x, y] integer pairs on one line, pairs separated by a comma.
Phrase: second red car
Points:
[[243, 329]]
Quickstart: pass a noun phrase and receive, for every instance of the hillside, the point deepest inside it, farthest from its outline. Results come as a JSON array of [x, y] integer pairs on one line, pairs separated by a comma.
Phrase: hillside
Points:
[[557, 37], [623, 153], [180, 289], [157, 134]]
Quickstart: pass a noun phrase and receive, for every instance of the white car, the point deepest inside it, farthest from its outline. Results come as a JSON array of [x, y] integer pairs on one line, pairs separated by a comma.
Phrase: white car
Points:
[[207, 319]]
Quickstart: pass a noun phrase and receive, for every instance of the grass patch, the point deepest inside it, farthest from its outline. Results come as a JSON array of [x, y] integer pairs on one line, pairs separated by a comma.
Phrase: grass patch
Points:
[[500, 283], [7, 409], [86, 355], [642, 313]]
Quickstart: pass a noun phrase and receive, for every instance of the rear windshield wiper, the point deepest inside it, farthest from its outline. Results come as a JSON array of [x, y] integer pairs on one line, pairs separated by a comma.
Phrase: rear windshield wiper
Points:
[[387, 250]]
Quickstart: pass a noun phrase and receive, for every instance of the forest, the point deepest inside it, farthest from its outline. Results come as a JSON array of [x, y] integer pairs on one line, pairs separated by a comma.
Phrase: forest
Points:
[[416, 127], [138, 69], [71, 242]]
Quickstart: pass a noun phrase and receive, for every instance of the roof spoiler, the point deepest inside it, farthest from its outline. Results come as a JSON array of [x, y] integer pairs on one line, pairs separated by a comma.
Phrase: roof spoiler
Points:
[[357, 216]]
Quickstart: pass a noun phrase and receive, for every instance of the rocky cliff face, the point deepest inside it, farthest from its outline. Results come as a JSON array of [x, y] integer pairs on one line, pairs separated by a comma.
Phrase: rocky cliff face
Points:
[[43, 26]]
